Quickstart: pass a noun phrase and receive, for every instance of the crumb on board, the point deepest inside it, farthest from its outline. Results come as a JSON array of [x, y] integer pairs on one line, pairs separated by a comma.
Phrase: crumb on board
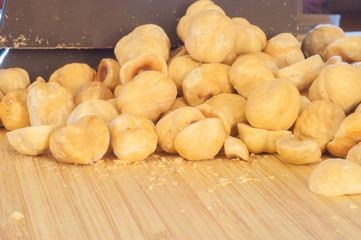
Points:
[[353, 206], [17, 216], [224, 182]]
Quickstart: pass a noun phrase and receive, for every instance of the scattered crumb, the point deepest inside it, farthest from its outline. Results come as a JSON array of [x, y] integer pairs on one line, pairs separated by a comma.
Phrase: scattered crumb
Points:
[[17, 216], [211, 190], [224, 182], [182, 211], [338, 230], [64, 185], [151, 187], [252, 155], [334, 217], [243, 179], [179, 160], [271, 177], [209, 208], [353, 206]]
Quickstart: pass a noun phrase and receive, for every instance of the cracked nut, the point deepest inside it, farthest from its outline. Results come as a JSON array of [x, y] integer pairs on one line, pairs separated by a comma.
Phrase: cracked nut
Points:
[[92, 90], [108, 73], [13, 78], [84, 142], [209, 112], [349, 48], [234, 147]]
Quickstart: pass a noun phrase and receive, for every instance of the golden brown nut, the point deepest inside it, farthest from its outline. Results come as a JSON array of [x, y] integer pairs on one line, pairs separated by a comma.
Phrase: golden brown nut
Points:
[[234, 147], [354, 154], [97, 107], [296, 151], [302, 73], [339, 83], [209, 112], [170, 125], [83, 142], [201, 140], [260, 140], [48, 104], [273, 105], [319, 122], [33, 140], [285, 48], [210, 37], [179, 68], [349, 48], [133, 137], [13, 78], [347, 135], [249, 38], [317, 39], [144, 38], [108, 73], [333, 60], [206, 81], [13, 110], [144, 62], [336, 177], [92, 90], [73, 76], [247, 72], [149, 94]]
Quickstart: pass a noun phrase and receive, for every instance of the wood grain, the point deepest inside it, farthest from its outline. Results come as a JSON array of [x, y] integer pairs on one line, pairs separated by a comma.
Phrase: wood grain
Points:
[[165, 197]]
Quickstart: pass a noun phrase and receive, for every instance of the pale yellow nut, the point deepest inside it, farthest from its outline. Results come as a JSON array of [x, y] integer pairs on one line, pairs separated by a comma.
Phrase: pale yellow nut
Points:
[[13, 110], [209, 112], [260, 140], [304, 101], [296, 151], [231, 57], [169, 126], [117, 90], [37, 80], [247, 72], [349, 48], [302, 73], [354, 154], [113, 101], [73, 76], [100, 108], [201, 140], [83, 142], [336, 177], [149, 94], [206, 81], [268, 61], [13, 78], [319, 122], [179, 68], [49, 103], [92, 90], [333, 60], [285, 48], [179, 102], [210, 37], [177, 52], [33, 140], [249, 37], [234, 147], [317, 39], [145, 62], [129, 121], [339, 83], [108, 73], [144, 38], [273, 105]]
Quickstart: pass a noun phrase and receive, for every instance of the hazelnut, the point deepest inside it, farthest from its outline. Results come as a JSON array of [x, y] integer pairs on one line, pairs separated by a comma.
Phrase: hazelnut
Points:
[[234, 147], [348, 48], [13, 78], [333, 60], [209, 112], [354, 154], [92, 90], [37, 80], [108, 73]]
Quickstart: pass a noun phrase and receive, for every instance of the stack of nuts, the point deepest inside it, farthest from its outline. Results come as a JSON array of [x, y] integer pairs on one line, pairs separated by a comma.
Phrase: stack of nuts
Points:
[[227, 89]]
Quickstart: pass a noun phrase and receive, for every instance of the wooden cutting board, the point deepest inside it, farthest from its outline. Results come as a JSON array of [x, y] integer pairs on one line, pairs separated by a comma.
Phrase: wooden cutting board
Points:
[[166, 197]]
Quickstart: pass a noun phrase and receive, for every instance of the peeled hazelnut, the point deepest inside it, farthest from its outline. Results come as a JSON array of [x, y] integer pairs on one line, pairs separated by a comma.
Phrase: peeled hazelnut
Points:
[[117, 90], [144, 38], [49, 103], [209, 112], [285, 48], [317, 39], [260, 140], [302, 73], [339, 83], [349, 48], [92, 90], [144, 62], [201, 140], [13, 78], [319, 122], [108, 73], [13, 110], [179, 102], [247, 72], [206, 81], [170, 125], [354, 154], [336, 177], [179, 68], [296, 151], [234, 147], [249, 38], [149, 94], [273, 105], [304, 101], [177, 52], [84, 142], [100, 108], [33, 140], [231, 57], [133, 137], [73, 76], [37, 80], [333, 60], [210, 37]]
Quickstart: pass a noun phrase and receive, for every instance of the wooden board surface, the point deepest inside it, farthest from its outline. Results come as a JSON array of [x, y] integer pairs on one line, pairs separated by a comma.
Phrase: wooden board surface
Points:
[[165, 197]]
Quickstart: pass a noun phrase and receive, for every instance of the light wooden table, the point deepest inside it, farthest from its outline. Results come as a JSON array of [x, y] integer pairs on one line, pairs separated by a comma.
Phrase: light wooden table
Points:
[[165, 197]]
